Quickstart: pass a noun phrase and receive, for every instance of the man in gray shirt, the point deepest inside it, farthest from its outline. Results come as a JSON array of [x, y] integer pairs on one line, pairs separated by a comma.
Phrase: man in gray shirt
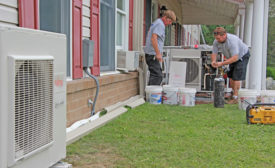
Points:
[[154, 45], [237, 56]]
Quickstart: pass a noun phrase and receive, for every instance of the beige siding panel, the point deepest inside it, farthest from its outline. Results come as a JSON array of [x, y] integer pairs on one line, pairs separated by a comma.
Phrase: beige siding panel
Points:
[[86, 11], [138, 25], [9, 3], [7, 24], [8, 15], [86, 19], [85, 32], [86, 2]]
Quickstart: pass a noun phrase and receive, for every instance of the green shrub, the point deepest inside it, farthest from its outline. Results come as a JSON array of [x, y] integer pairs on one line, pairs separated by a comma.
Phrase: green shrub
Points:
[[270, 72]]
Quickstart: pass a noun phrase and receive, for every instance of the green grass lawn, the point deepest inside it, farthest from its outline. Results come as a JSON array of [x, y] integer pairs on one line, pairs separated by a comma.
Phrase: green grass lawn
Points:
[[174, 136]]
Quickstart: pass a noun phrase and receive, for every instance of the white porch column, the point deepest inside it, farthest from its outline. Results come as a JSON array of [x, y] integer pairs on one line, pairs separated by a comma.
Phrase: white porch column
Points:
[[237, 26], [248, 32], [255, 75], [265, 35], [248, 22], [241, 23]]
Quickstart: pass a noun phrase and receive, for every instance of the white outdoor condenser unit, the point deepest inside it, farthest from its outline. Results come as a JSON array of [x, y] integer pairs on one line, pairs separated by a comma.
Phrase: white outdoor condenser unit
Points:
[[192, 57], [33, 98], [127, 60]]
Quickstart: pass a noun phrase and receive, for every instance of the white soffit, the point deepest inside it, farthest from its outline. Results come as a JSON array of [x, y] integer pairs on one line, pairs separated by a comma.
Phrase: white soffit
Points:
[[210, 12]]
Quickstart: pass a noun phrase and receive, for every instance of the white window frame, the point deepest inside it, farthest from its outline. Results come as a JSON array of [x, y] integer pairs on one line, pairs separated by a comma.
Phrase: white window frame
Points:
[[125, 26]]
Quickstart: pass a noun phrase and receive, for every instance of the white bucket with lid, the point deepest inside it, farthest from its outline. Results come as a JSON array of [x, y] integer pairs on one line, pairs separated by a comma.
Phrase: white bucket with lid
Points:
[[247, 96], [268, 96], [170, 94], [153, 94], [186, 96]]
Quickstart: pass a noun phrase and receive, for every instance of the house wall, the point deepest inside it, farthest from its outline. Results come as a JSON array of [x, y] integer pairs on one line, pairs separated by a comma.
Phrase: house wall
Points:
[[8, 12], [86, 19], [138, 25], [113, 89]]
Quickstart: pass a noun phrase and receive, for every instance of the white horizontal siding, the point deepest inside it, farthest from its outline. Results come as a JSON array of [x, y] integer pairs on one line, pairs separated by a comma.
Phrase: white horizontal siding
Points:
[[9, 3], [8, 12], [86, 11], [138, 25], [7, 24], [86, 3], [86, 19], [85, 32]]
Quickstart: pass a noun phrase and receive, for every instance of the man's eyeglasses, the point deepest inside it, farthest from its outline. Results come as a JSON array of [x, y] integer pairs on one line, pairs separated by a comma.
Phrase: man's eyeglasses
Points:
[[218, 33]]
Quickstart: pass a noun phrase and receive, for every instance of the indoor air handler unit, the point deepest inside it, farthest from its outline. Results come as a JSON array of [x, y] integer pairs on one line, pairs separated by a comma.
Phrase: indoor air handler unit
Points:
[[33, 98], [192, 57], [127, 60]]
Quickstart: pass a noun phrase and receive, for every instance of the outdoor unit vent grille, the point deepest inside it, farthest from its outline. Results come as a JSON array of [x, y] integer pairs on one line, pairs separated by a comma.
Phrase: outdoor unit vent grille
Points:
[[192, 70], [33, 107], [192, 57]]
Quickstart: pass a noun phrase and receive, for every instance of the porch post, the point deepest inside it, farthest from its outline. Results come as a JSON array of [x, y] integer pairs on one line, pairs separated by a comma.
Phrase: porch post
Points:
[[265, 35], [255, 75], [241, 23], [248, 23], [248, 32], [237, 26]]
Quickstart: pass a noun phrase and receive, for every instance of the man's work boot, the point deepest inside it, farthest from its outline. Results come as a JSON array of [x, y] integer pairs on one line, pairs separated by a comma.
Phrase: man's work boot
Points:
[[232, 101]]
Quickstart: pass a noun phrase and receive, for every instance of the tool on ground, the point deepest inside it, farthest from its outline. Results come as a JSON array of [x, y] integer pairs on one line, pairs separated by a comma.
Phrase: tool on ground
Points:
[[260, 113]]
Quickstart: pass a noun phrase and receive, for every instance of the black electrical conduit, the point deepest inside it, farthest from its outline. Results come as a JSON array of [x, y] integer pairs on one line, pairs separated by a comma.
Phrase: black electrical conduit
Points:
[[97, 88]]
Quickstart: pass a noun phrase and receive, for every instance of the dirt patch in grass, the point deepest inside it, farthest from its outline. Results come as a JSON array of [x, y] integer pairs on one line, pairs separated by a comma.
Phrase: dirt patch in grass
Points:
[[102, 157]]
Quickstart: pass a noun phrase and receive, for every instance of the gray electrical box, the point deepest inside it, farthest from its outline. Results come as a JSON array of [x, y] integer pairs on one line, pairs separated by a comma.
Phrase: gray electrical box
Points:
[[88, 53]]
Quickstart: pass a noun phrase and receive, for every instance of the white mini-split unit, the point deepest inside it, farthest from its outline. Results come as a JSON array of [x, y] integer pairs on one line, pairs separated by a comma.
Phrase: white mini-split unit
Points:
[[127, 60], [32, 98]]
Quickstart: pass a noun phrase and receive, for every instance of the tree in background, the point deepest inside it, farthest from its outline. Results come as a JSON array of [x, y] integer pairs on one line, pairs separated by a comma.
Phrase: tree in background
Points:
[[270, 70], [208, 32], [271, 35]]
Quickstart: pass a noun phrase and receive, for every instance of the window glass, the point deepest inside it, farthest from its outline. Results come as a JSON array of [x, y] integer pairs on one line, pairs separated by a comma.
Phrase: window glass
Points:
[[120, 18], [107, 35], [121, 24], [121, 4]]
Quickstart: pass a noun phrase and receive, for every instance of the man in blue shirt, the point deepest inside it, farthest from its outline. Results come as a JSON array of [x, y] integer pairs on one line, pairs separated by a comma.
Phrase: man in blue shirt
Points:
[[237, 56], [154, 46]]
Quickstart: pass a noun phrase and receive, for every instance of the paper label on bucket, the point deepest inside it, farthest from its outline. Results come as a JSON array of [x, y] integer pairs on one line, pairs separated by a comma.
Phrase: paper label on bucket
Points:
[[155, 98], [187, 99], [170, 97]]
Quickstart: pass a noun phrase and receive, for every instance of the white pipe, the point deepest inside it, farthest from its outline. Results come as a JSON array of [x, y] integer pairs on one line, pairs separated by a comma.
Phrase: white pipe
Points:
[[248, 33], [257, 46], [265, 35]]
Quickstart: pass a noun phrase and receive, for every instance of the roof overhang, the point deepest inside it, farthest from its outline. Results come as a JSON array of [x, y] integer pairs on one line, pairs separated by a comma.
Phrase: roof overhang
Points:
[[210, 12]]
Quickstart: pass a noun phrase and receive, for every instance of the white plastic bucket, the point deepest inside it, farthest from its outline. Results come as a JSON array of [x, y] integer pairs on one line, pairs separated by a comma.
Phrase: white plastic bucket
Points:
[[170, 95], [247, 96], [268, 96], [186, 96], [153, 94]]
